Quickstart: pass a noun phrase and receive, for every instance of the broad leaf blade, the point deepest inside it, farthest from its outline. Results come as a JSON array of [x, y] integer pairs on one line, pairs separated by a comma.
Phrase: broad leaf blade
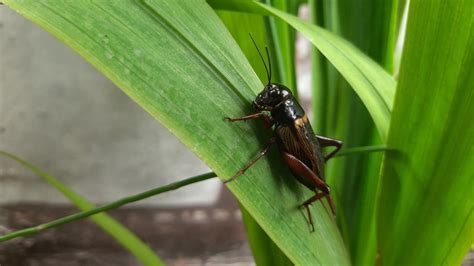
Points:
[[179, 63], [426, 202]]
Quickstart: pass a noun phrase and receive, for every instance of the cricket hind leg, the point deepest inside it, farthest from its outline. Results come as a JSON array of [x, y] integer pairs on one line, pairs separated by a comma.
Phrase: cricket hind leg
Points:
[[318, 196], [312, 181], [308, 202], [328, 142], [249, 164]]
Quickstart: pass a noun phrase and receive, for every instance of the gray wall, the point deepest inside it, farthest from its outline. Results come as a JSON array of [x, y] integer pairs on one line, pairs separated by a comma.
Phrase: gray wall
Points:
[[59, 113]]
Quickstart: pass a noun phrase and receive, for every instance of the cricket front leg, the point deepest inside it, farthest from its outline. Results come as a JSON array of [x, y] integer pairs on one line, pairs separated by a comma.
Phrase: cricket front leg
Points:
[[327, 142], [268, 121], [249, 164]]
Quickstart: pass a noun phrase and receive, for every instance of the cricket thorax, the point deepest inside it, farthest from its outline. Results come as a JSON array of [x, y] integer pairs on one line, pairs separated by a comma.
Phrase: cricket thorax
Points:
[[288, 113]]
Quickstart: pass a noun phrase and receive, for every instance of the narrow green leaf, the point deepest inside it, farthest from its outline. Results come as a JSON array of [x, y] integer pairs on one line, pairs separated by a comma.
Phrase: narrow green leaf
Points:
[[319, 75], [283, 43], [366, 21], [426, 200], [116, 230], [330, 93], [177, 60]]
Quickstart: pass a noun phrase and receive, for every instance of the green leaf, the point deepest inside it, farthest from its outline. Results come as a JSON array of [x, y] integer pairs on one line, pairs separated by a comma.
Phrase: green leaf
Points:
[[177, 61], [367, 21], [426, 199], [319, 73], [119, 232]]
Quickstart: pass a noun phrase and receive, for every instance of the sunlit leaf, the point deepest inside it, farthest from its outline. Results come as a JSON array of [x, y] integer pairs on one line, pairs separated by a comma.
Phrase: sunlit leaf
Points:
[[426, 201]]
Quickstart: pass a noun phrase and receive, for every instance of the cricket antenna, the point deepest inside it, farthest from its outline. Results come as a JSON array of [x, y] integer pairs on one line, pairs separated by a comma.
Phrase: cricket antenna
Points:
[[269, 65], [269, 73]]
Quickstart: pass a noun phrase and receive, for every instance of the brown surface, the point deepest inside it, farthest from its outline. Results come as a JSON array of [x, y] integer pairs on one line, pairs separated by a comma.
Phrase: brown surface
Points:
[[181, 236]]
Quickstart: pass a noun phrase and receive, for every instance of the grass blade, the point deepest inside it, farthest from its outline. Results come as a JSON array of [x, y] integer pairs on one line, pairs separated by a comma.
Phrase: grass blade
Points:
[[319, 73], [116, 230], [426, 205]]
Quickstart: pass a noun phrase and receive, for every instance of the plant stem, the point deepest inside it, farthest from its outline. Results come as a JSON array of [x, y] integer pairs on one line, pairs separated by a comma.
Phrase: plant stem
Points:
[[103, 208], [363, 149]]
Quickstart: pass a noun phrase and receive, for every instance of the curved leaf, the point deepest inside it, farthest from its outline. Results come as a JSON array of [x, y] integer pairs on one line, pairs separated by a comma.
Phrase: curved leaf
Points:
[[176, 60]]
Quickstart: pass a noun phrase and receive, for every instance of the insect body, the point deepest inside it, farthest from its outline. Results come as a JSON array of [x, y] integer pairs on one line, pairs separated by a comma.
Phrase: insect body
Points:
[[299, 147]]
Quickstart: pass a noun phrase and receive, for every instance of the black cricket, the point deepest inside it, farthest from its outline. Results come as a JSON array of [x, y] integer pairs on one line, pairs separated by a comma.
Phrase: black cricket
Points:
[[299, 147]]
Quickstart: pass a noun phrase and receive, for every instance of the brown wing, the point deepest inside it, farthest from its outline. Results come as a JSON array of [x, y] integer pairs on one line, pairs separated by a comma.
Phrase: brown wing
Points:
[[299, 140], [290, 143], [310, 145]]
